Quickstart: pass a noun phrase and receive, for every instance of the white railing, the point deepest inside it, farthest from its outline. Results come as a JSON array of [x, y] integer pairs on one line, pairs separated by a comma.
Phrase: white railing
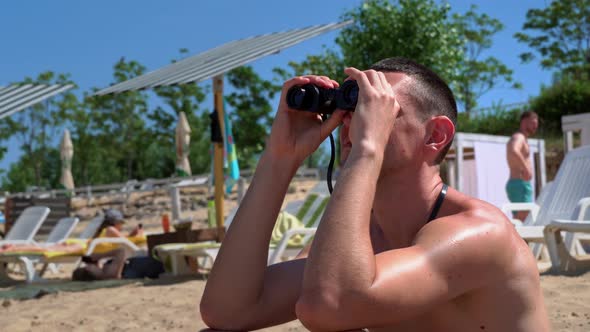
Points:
[[115, 188], [134, 186]]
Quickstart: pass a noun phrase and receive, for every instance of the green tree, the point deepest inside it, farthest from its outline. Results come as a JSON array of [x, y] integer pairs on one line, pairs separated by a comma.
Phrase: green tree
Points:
[[417, 29], [559, 33], [566, 97], [478, 76], [250, 111], [330, 63], [122, 118], [21, 175], [96, 155], [7, 130]]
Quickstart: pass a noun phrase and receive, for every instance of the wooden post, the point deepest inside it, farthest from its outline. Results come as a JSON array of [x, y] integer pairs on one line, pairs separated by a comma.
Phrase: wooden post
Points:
[[218, 153]]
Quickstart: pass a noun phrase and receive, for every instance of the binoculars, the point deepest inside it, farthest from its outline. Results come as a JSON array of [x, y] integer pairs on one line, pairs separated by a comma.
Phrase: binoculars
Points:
[[312, 98]]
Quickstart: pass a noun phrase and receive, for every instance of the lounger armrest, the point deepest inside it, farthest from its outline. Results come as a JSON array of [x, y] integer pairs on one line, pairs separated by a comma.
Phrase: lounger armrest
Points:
[[515, 207], [560, 251], [118, 240], [280, 248], [575, 226], [582, 207]]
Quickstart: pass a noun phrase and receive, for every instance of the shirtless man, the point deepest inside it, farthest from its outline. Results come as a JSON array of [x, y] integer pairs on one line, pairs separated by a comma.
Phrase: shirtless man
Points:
[[519, 187], [377, 261]]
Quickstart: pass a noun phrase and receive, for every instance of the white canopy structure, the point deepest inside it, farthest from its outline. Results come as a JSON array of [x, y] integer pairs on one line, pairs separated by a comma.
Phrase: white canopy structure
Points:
[[17, 97], [477, 166]]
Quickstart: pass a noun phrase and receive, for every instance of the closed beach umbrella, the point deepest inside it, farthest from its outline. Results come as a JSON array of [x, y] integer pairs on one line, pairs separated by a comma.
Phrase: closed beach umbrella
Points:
[[183, 137], [66, 153]]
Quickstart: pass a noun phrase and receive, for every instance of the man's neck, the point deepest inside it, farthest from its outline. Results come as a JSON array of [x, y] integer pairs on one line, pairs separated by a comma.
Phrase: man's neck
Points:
[[520, 130], [403, 202]]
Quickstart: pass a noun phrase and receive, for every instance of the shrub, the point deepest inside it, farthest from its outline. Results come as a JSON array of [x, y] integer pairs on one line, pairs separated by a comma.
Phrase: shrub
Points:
[[563, 98]]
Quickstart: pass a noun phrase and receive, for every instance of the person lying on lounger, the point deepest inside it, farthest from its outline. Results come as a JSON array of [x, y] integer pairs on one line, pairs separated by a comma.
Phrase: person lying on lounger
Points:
[[115, 264], [396, 249], [61, 247]]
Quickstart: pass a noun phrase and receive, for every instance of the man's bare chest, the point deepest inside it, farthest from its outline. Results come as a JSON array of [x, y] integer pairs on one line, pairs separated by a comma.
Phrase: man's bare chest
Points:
[[525, 151]]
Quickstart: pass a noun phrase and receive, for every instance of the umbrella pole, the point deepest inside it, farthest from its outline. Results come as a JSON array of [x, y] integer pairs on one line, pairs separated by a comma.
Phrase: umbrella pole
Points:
[[218, 155]]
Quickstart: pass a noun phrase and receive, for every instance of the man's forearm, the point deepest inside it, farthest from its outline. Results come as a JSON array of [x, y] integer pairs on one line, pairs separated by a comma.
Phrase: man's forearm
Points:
[[245, 248], [342, 256]]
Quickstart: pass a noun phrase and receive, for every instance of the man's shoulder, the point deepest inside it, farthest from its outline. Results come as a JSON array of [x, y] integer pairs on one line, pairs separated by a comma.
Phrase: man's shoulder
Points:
[[479, 236], [475, 221], [518, 136], [470, 211]]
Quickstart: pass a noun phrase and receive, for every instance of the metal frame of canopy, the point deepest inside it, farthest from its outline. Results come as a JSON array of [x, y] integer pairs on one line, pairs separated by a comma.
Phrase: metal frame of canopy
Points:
[[17, 97]]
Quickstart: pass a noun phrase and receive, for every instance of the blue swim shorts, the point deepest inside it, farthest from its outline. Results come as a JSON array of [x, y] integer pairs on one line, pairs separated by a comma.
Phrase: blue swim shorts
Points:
[[519, 191]]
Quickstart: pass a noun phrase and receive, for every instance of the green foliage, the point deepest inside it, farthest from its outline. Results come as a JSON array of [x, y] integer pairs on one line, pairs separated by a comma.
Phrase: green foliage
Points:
[[478, 76], [566, 97], [499, 122], [329, 63], [422, 30], [123, 115], [95, 152], [6, 131], [200, 145], [21, 175], [415, 29], [250, 112], [559, 33]]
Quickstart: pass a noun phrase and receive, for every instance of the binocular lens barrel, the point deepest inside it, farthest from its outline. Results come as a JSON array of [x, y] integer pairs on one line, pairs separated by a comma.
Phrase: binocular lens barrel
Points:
[[312, 98]]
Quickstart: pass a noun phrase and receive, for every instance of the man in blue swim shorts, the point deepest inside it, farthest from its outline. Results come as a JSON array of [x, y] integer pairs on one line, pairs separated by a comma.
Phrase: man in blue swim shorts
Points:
[[519, 187]]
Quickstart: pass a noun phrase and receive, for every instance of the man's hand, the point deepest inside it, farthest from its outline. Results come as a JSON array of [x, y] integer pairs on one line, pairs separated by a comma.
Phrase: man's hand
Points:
[[297, 134], [375, 112]]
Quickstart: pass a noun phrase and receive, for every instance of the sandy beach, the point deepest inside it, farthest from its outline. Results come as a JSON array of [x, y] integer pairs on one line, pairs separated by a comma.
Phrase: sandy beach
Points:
[[171, 304]]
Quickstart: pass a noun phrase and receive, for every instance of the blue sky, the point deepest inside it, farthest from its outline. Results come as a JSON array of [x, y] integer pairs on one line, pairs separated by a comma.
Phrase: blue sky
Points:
[[85, 38]]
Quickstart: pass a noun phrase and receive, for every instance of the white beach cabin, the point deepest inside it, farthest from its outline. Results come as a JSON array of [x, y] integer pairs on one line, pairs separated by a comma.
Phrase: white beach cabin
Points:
[[571, 124], [476, 165]]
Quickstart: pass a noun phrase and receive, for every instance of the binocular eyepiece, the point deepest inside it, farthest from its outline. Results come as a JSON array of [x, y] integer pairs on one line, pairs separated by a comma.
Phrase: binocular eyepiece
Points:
[[312, 98]]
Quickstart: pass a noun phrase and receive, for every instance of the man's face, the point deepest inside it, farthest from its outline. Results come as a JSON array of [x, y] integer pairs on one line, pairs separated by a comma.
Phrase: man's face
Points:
[[530, 125], [408, 131]]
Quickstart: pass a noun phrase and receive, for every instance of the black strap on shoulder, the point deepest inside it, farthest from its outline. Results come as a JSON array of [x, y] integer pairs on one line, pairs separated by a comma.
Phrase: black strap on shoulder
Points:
[[439, 201]]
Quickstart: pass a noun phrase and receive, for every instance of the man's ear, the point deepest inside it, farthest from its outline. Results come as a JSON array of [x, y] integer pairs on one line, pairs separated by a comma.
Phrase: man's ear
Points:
[[439, 133]]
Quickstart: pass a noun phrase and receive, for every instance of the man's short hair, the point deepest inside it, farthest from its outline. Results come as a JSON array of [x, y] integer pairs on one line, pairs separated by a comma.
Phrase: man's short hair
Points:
[[528, 114], [427, 90]]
